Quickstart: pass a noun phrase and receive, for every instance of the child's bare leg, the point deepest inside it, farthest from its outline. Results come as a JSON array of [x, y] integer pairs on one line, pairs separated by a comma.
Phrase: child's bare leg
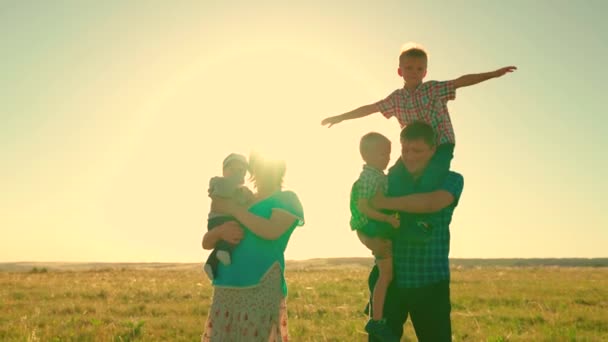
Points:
[[385, 268]]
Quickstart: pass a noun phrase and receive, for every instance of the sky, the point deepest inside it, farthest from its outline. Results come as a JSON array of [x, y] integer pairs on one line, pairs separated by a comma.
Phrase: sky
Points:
[[115, 114]]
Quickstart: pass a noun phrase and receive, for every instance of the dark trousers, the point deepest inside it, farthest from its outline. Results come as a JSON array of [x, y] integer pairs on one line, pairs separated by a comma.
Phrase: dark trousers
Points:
[[429, 308], [221, 245]]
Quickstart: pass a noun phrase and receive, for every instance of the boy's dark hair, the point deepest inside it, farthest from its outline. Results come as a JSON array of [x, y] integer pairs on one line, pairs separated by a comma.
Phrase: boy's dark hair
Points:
[[419, 130], [413, 50]]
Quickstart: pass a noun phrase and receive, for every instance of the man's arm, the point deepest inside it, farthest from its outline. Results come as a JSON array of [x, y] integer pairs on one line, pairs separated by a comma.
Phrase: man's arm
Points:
[[364, 207], [428, 202], [353, 114], [468, 80]]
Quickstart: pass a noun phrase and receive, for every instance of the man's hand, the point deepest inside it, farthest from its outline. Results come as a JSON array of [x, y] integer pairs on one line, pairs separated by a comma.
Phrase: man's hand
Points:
[[332, 120], [502, 71], [231, 232], [393, 221]]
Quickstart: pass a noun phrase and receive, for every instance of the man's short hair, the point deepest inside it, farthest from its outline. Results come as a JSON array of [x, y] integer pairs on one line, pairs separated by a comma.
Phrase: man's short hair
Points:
[[419, 130]]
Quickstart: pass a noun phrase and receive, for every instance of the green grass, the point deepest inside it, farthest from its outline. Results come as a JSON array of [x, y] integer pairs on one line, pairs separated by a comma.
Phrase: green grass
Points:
[[325, 303]]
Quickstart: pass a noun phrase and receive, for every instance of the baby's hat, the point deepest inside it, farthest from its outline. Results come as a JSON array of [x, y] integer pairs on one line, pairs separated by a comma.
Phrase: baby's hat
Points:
[[235, 157]]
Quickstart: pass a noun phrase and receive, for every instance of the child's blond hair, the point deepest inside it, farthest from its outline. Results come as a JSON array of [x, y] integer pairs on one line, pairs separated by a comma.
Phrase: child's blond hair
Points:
[[412, 49], [369, 142]]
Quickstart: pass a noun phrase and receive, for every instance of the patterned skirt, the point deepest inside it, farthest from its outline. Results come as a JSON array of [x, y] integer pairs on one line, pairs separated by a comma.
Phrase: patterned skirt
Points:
[[251, 314]]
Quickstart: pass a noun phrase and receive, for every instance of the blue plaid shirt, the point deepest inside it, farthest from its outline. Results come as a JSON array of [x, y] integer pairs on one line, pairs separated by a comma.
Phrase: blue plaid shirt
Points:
[[422, 265]]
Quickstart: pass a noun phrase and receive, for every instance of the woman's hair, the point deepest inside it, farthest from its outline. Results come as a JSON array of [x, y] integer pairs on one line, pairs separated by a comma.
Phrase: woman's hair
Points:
[[266, 171]]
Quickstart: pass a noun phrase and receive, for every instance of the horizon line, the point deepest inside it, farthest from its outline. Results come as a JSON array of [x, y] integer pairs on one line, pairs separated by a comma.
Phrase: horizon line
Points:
[[290, 260]]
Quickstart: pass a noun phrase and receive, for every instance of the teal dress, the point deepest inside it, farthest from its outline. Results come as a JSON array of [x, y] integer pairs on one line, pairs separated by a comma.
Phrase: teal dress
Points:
[[254, 256]]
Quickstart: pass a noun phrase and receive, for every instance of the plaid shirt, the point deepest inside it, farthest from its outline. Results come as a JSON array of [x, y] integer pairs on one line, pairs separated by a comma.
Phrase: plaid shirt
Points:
[[422, 265], [427, 103], [370, 181]]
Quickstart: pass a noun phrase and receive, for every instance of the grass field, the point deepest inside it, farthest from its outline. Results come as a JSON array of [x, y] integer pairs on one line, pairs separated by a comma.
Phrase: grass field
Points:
[[169, 302]]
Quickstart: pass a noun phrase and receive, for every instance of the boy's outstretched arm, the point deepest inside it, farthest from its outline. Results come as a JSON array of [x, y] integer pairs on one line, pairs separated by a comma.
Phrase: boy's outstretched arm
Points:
[[468, 80], [353, 114]]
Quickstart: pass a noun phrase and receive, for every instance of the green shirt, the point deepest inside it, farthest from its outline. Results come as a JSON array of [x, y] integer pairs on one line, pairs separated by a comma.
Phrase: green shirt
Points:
[[254, 255], [370, 181]]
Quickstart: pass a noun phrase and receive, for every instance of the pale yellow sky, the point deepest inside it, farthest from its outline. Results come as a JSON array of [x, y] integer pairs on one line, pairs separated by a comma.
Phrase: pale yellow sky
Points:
[[116, 115]]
